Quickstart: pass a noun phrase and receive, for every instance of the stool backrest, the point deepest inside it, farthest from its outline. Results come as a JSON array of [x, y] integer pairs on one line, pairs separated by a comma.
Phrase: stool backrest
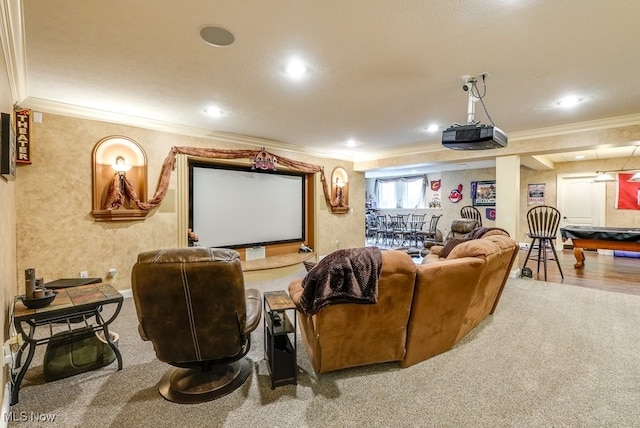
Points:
[[543, 221]]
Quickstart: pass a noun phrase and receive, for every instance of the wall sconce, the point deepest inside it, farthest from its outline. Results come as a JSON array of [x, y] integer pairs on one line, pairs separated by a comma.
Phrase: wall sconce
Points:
[[339, 191], [120, 166], [119, 179]]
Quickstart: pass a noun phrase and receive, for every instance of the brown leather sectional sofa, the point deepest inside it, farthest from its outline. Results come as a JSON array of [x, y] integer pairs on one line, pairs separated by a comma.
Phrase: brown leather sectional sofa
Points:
[[421, 311]]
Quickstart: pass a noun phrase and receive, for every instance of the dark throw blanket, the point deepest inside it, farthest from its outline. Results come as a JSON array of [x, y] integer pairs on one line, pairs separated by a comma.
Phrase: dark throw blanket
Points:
[[344, 276]]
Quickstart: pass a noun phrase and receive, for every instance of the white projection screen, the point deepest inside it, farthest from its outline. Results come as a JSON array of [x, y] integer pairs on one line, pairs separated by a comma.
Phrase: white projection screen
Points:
[[230, 207]]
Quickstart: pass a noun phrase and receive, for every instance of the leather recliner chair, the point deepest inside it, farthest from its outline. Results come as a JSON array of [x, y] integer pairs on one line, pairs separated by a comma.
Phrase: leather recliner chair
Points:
[[461, 227], [192, 305]]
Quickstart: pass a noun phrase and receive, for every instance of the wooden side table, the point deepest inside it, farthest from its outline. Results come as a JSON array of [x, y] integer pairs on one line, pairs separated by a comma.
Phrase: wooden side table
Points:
[[280, 325], [70, 305]]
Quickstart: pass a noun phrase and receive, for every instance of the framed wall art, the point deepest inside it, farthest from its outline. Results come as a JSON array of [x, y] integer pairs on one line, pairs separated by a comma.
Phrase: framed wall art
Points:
[[483, 193], [8, 148], [535, 194]]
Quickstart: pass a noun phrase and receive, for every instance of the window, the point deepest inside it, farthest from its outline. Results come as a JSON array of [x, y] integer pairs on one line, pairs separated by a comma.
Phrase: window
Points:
[[387, 194], [401, 192]]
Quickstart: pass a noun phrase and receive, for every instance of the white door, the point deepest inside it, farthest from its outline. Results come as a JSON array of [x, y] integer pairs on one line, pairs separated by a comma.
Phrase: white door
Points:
[[581, 201]]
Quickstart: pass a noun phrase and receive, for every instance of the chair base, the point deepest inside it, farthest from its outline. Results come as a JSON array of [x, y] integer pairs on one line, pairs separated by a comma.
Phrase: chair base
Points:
[[192, 385]]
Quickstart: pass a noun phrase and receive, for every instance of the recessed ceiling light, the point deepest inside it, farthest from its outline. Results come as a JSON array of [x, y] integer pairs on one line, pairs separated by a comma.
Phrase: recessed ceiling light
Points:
[[217, 36], [579, 156], [351, 143], [296, 68], [570, 101], [432, 128], [214, 111]]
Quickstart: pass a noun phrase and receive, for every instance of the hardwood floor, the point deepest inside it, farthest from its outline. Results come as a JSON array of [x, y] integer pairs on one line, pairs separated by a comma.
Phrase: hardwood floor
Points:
[[618, 274]]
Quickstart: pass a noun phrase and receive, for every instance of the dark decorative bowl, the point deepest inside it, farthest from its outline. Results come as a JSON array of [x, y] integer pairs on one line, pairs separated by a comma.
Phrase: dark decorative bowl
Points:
[[41, 302]]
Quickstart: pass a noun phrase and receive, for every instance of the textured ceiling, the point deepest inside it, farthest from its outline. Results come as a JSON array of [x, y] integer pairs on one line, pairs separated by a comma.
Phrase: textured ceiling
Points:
[[380, 70]]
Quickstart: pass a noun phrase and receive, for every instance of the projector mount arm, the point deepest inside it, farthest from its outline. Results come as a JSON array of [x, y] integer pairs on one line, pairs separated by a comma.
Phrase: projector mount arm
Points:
[[471, 85]]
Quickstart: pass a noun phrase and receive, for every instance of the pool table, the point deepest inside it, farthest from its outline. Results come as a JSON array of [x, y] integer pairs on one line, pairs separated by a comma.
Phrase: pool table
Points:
[[605, 238]]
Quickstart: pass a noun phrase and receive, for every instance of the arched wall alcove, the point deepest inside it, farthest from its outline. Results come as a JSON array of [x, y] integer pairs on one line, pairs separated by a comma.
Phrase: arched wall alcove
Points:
[[340, 191], [132, 184]]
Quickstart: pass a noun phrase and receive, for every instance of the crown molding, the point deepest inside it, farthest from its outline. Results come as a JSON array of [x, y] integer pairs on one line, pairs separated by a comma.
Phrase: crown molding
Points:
[[572, 128], [554, 131], [13, 46], [70, 110], [421, 148]]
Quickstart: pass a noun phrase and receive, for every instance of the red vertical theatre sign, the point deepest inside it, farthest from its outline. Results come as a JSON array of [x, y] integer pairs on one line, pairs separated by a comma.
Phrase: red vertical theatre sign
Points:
[[23, 135]]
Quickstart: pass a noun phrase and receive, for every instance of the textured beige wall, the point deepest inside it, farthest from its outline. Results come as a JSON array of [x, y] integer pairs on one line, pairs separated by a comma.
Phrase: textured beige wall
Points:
[[8, 276], [57, 234]]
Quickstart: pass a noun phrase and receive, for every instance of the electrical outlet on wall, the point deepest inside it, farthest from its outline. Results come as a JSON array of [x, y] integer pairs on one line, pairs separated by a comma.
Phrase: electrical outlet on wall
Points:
[[84, 274]]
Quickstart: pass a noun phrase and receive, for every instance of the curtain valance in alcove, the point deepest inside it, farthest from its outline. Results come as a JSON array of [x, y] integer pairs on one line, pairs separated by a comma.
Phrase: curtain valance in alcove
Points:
[[167, 167]]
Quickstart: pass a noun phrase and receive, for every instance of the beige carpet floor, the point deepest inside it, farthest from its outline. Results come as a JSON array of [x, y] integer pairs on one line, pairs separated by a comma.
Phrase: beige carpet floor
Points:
[[551, 356]]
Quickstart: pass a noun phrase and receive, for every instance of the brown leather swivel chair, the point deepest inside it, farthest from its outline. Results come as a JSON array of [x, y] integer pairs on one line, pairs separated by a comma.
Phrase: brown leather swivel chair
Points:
[[461, 227], [192, 305]]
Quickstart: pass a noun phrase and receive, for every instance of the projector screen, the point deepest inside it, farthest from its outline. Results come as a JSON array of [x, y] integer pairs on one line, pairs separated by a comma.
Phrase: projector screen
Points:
[[235, 207]]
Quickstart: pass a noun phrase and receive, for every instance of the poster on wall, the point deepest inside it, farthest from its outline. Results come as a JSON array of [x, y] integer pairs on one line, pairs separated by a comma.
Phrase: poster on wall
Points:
[[628, 194], [535, 194], [483, 193]]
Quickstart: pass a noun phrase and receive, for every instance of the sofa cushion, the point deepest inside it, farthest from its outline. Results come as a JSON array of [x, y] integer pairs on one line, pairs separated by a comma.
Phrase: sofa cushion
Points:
[[473, 248], [449, 245], [503, 241]]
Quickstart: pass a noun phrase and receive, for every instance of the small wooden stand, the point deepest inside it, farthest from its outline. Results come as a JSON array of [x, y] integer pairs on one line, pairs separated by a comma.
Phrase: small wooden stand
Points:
[[280, 325]]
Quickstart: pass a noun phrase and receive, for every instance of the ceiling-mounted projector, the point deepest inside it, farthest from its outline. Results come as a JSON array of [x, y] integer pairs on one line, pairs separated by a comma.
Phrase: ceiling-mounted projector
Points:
[[473, 135]]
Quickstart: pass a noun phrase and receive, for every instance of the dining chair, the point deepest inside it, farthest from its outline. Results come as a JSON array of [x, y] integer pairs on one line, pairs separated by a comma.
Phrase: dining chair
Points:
[[472, 213]]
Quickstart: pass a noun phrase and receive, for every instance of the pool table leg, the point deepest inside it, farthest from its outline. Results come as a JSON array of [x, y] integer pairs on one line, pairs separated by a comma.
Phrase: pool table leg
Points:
[[579, 255]]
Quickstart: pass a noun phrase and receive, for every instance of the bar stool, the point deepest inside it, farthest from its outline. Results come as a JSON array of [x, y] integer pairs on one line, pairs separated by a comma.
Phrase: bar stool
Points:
[[543, 224]]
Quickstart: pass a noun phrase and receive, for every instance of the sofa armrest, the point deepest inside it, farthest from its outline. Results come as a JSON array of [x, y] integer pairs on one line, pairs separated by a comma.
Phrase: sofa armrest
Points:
[[295, 292], [436, 249]]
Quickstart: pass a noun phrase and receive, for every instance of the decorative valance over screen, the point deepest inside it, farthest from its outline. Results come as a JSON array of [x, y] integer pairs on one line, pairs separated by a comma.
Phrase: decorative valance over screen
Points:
[[167, 167]]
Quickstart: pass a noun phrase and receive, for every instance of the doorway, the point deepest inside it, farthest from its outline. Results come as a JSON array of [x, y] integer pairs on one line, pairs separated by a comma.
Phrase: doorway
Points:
[[581, 201]]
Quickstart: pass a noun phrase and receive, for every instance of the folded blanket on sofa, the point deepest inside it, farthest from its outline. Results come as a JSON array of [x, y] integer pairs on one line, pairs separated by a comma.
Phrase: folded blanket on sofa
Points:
[[344, 276]]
